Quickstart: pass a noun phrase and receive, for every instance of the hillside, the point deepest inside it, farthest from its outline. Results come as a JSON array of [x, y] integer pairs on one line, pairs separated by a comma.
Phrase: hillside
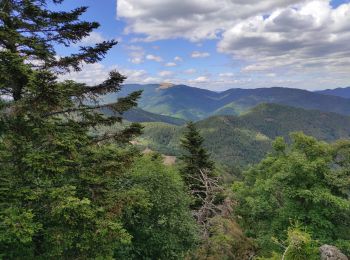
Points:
[[177, 101], [190, 103], [241, 140], [339, 92], [242, 100], [140, 116]]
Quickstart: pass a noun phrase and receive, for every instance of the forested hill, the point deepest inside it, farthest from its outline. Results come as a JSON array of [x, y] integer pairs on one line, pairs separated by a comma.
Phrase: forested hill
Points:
[[245, 139], [139, 115], [190, 103], [339, 92]]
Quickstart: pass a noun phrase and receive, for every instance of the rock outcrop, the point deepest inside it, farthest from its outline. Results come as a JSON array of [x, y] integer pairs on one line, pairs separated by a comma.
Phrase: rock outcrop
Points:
[[331, 253]]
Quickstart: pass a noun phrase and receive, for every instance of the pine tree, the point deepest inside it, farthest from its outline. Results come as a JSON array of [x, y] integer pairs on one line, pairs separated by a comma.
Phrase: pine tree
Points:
[[59, 183], [195, 159], [195, 156]]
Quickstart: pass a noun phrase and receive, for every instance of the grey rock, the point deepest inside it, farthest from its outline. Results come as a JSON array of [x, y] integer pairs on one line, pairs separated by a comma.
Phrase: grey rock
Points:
[[331, 253]]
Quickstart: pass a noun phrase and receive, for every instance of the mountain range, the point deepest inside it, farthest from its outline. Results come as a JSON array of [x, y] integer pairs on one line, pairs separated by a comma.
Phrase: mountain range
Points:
[[189, 103], [340, 92], [238, 125], [237, 141]]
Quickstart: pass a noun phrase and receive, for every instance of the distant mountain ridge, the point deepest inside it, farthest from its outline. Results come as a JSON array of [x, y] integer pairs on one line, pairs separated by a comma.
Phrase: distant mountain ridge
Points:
[[339, 92], [139, 115], [189, 103], [237, 141]]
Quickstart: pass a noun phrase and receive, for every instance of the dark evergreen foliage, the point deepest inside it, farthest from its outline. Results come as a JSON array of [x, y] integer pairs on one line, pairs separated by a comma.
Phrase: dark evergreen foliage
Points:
[[195, 159], [58, 182], [195, 156]]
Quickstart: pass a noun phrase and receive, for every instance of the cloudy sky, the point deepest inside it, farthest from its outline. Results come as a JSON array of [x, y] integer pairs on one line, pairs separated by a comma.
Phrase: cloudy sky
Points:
[[221, 44]]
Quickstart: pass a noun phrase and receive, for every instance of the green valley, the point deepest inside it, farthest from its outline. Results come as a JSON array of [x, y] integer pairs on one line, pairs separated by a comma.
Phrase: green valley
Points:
[[241, 140], [191, 103]]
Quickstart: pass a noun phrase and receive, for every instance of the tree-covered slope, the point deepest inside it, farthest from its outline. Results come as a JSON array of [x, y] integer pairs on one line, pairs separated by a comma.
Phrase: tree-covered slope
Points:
[[275, 120], [177, 101], [196, 104], [245, 139], [140, 115], [242, 100], [339, 92]]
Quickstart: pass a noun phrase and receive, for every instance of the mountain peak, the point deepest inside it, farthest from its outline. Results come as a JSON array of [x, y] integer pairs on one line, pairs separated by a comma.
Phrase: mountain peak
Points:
[[165, 85]]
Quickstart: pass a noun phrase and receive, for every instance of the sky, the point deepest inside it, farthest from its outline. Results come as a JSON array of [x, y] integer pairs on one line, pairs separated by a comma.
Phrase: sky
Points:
[[221, 44]]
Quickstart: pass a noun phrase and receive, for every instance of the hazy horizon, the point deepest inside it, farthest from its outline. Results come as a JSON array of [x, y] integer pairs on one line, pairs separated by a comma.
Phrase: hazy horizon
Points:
[[252, 87]]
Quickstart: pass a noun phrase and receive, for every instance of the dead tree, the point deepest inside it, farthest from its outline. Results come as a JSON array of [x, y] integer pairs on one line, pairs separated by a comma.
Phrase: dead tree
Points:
[[206, 192]]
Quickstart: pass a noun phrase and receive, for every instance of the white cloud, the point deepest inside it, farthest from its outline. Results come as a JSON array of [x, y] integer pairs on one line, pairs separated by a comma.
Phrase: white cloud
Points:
[[93, 74], [191, 19], [96, 73], [197, 54], [133, 76], [226, 74], [190, 71], [151, 80], [93, 38], [272, 75], [90, 74], [292, 43], [154, 58], [313, 36], [135, 48], [136, 53], [304, 41], [177, 58], [165, 73], [136, 60], [201, 79], [171, 64]]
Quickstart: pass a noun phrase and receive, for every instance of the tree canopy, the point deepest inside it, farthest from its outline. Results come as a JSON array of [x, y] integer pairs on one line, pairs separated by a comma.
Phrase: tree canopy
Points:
[[306, 182], [59, 182]]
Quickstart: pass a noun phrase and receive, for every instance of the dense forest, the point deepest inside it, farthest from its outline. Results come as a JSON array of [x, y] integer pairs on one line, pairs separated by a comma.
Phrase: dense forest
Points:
[[190, 103], [74, 183], [238, 141]]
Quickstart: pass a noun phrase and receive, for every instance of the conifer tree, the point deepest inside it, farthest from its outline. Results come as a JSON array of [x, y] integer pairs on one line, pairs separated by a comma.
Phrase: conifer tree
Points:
[[58, 183], [195, 155], [195, 159]]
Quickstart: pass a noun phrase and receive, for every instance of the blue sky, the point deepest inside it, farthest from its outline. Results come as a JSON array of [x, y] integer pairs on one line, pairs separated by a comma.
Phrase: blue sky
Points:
[[221, 44]]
